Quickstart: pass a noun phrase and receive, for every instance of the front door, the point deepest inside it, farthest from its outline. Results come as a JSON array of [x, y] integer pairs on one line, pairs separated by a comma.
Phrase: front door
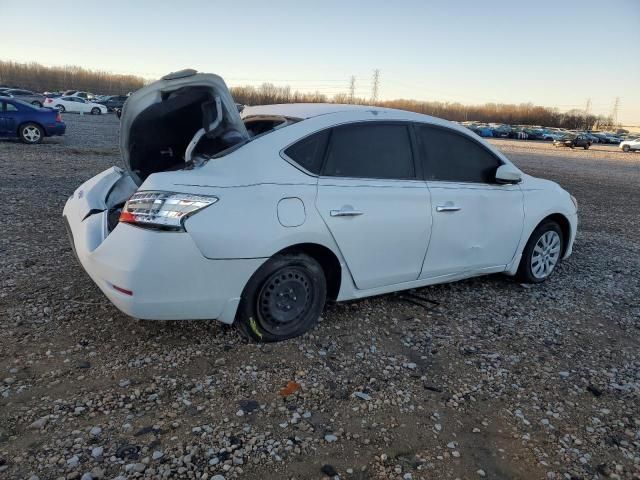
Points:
[[370, 199], [8, 124], [477, 223]]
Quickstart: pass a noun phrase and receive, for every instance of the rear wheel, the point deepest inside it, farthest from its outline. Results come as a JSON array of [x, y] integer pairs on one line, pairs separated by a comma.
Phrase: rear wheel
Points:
[[283, 299], [586, 147], [95, 111], [61, 108], [626, 148], [542, 253], [31, 133]]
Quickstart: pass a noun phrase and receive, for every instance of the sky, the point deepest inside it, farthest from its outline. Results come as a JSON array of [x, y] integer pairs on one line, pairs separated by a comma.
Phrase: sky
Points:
[[557, 53]]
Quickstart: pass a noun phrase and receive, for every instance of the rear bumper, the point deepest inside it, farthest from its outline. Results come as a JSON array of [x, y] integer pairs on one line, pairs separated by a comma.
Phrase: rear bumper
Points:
[[59, 128], [167, 275]]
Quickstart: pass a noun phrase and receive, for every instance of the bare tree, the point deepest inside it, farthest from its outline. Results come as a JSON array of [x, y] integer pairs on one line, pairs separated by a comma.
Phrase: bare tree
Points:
[[34, 76]]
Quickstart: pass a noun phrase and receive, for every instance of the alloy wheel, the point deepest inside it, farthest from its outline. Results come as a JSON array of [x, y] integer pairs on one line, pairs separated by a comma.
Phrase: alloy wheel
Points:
[[545, 255], [31, 134]]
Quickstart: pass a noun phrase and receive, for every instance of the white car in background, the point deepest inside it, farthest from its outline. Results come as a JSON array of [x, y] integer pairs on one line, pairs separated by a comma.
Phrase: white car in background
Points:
[[260, 219], [630, 145], [75, 104]]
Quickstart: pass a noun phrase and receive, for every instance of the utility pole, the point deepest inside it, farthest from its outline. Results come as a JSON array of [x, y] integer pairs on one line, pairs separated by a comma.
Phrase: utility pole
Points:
[[352, 89], [375, 86], [614, 111]]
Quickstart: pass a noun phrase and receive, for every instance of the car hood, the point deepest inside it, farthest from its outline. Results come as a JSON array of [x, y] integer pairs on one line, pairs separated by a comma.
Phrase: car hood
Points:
[[155, 92]]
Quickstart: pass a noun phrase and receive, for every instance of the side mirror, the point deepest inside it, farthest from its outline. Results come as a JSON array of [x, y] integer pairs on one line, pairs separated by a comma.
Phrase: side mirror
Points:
[[508, 174]]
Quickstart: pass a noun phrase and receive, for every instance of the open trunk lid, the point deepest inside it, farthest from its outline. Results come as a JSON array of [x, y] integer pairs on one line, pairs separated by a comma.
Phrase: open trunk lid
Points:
[[168, 123]]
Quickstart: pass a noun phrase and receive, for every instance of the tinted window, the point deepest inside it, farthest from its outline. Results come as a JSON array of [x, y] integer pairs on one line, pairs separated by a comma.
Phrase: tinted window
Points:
[[309, 152], [451, 156], [11, 108], [370, 150]]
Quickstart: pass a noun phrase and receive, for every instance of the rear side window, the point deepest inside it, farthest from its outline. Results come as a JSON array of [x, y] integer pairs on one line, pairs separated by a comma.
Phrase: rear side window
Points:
[[370, 150], [451, 156], [309, 152]]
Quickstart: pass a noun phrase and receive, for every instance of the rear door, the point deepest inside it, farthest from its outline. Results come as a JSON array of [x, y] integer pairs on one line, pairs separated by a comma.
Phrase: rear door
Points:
[[477, 223], [372, 201], [81, 105]]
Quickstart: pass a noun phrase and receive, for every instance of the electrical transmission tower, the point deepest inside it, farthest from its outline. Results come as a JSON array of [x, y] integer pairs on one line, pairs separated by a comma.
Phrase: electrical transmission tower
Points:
[[375, 86], [587, 109], [352, 89], [614, 111]]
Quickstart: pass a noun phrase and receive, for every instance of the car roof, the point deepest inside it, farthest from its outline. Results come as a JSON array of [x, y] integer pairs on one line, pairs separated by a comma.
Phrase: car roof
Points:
[[309, 110]]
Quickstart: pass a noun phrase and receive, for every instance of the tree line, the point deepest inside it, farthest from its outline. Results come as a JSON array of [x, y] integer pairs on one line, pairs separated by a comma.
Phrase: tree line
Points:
[[511, 114], [34, 76], [39, 78]]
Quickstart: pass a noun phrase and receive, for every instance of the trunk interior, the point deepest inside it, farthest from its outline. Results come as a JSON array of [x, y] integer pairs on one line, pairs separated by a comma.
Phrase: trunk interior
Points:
[[160, 134]]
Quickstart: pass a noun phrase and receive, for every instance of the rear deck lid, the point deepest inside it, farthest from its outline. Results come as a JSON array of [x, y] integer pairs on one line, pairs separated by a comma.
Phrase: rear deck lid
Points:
[[161, 90]]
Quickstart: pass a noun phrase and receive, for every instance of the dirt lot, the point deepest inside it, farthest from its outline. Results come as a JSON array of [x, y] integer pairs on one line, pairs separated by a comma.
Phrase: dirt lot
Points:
[[499, 380]]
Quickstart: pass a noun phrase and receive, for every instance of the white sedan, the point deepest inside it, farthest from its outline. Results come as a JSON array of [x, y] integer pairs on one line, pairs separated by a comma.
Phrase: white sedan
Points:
[[630, 145], [75, 104], [260, 219]]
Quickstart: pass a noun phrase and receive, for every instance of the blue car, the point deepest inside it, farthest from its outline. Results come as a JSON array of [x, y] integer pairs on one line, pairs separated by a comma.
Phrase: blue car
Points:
[[28, 122]]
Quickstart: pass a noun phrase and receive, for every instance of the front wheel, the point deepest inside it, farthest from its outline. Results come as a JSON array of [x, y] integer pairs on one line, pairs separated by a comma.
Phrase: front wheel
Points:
[[626, 148], [586, 147], [31, 133], [95, 111], [283, 299], [542, 253], [61, 108]]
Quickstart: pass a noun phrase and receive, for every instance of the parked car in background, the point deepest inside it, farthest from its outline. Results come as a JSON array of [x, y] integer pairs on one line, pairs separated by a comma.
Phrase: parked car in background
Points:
[[573, 141], [28, 122], [630, 145], [28, 96], [288, 206], [75, 104], [113, 102], [592, 138], [78, 93], [551, 135], [602, 138], [5, 94], [612, 138], [534, 134]]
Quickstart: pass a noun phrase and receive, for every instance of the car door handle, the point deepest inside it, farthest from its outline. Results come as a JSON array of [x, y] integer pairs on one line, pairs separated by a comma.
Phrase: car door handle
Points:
[[345, 212], [447, 208]]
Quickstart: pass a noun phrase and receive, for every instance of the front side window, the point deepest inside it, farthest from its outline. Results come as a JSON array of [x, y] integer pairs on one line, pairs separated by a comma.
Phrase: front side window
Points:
[[10, 107], [370, 150], [451, 156]]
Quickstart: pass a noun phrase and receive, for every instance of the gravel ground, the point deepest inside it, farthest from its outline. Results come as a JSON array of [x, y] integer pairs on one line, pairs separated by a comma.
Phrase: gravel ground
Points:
[[497, 380]]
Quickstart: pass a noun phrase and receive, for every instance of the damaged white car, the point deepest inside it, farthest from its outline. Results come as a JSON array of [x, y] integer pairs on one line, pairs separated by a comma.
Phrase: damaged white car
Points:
[[260, 219]]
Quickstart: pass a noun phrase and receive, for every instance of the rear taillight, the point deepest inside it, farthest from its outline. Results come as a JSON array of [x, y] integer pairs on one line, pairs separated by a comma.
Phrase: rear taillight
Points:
[[48, 100], [58, 117], [163, 210]]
